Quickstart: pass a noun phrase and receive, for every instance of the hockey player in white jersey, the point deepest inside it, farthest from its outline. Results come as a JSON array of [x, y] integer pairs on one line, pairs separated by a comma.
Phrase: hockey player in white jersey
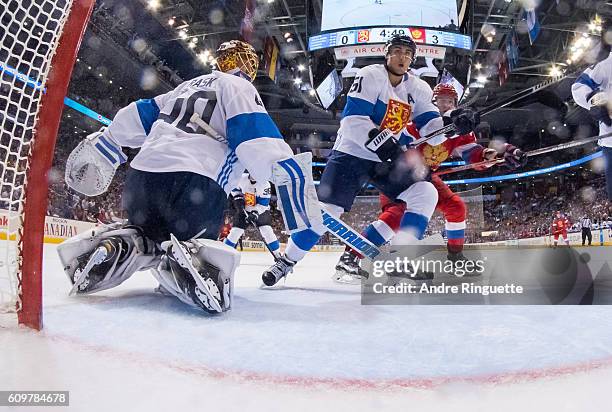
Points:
[[251, 201], [195, 143], [593, 91], [383, 99]]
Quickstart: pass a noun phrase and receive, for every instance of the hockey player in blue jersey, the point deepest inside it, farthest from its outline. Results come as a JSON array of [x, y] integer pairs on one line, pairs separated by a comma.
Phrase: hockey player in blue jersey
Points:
[[382, 100], [195, 141]]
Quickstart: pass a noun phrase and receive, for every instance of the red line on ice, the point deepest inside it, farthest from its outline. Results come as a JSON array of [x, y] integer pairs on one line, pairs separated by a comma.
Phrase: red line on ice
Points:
[[339, 383]]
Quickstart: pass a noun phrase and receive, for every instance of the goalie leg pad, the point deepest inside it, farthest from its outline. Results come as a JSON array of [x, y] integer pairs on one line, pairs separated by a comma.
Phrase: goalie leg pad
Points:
[[105, 257], [297, 195], [199, 272]]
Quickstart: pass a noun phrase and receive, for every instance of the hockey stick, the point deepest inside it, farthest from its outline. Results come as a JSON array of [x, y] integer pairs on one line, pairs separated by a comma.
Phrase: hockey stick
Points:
[[254, 224], [358, 243], [483, 112], [350, 236], [195, 118], [528, 154]]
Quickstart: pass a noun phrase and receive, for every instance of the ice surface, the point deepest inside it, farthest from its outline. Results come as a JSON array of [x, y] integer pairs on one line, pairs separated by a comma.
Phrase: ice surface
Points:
[[309, 344]]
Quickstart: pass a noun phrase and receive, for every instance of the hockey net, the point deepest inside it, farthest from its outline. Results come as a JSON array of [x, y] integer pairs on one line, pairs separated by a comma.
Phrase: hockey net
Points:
[[38, 44]]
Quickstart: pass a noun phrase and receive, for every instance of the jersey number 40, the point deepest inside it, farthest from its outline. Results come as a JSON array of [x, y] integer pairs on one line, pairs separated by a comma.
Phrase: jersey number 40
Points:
[[187, 107]]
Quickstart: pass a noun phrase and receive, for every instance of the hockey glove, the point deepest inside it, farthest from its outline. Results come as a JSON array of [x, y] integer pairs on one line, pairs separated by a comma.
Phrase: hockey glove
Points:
[[238, 202], [383, 143], [252, 217], [92, 164], [465, 120], [599, 107], [488, 154], [514, 157]]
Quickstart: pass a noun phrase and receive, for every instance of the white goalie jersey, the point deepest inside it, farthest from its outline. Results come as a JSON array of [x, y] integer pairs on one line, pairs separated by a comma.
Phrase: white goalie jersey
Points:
[[172, 140]]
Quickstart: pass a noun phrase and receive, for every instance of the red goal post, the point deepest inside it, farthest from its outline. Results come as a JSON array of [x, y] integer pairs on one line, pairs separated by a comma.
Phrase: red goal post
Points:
[[30, 146]]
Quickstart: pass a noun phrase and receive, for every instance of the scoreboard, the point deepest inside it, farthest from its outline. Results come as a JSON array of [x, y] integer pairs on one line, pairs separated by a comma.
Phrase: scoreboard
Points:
[[382, 34]]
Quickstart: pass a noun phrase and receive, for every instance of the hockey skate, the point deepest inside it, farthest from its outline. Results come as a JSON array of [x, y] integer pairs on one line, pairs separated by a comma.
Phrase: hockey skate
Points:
[[348, 269], [94, 267], [281, 268], [200, 280], [455, 257]]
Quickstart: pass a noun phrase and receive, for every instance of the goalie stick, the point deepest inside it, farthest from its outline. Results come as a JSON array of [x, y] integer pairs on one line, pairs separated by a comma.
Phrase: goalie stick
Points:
[[195, 118], [506, 102], [528, 154]]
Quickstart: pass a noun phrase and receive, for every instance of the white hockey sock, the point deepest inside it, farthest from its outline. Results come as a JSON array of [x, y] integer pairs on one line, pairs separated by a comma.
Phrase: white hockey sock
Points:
[[234, 236]]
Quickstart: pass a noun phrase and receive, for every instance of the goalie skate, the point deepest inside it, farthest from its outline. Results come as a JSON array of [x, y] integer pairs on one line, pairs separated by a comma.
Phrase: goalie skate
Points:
[[96, 266], [207, 290]]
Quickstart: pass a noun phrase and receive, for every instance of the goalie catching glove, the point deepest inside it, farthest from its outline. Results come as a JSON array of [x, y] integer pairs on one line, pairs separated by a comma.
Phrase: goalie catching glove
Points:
[[91, 166]]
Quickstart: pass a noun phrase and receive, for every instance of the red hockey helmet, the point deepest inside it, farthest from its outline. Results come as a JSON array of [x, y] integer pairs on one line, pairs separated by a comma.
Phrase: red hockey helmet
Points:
[[444, 89]]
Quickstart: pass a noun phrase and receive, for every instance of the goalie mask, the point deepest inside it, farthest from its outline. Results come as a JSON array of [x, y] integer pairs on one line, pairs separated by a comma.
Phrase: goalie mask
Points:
[[237, 56]]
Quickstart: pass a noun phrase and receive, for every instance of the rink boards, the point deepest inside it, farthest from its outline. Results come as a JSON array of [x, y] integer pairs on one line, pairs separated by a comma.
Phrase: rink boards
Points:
[[58, 229]]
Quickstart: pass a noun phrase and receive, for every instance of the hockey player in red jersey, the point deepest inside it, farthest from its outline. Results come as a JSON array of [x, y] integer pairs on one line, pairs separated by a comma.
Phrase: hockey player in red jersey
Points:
[[560, 225], [434, 152], [225, 229]]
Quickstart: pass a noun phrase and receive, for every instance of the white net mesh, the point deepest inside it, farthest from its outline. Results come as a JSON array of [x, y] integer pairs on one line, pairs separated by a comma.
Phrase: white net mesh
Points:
[[29, 35]]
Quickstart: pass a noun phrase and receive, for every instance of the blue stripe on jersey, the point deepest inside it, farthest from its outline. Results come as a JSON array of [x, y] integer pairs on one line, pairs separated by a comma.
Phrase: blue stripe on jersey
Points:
[[226, 177], [424, 118], [264, 201], [305, 239], [122, 157], [380, 109], [360, 107], [357, 107], [373, 235], [249, 126], [229, 243], [416, 222], [455, 234], [586, 80], [225, 166], [148, 112], [223, 176]]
